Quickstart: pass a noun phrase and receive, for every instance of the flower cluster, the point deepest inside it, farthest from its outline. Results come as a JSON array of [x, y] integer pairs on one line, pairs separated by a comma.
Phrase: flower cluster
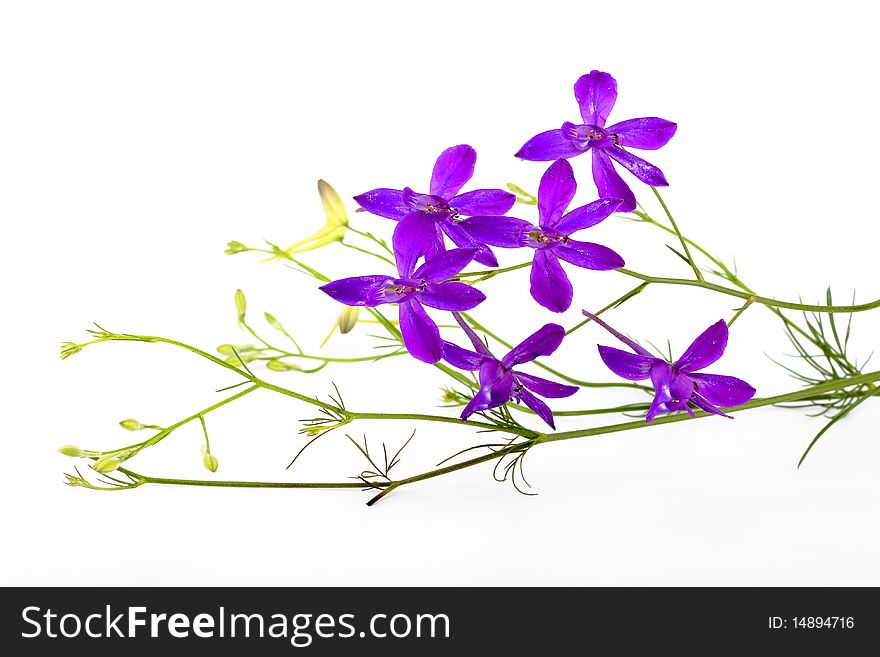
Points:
[[428, 273]]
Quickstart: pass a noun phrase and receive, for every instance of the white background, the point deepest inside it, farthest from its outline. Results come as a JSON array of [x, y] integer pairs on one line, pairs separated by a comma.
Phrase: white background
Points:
[[137, 138]]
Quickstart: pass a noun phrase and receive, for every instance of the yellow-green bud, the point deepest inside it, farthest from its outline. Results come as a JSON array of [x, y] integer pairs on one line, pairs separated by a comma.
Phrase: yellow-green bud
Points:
[[209, 460], [237, 361], [348, 318], [234, 247], [107, 463], [131, 425], [273, 322], [71, 450], [240, 305], [334, 208], [281, 366], [450, 396], [231, 349]]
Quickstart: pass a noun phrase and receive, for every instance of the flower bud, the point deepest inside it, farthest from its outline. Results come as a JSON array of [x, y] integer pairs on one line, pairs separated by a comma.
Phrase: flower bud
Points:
[[281, 366], [232, 349], [334, 208], [71, 450], [107, 463], [209, 460], [273, 322], [450, 396], [240, 306], [348, 318], [131, 425], [234, 247], [238, 361]]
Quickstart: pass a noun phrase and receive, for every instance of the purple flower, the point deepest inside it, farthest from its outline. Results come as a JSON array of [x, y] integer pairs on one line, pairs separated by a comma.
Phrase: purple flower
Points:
[[551, 239], [499, 382], [596, 93], [414, 288], [677, 384], [442, 207]]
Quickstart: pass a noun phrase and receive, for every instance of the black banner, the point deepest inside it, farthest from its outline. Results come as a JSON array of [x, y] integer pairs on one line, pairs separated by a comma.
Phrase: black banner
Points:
[[421, 621]]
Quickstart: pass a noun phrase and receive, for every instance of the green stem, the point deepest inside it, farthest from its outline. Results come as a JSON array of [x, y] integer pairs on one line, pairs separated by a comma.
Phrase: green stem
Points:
[[442, 419], [806, 393], [490, 273], [145, 479], [167, 431], [681, 239], [372, 238], [726, 273], [368, 252], [614, 304], [766, 301]]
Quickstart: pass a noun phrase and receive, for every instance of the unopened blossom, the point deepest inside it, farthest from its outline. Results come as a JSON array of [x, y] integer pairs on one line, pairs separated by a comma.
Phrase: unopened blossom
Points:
[[551, 238], [333, 230], [596, 94], [679, 384], [412, 289], [499, 382], [440, 210]]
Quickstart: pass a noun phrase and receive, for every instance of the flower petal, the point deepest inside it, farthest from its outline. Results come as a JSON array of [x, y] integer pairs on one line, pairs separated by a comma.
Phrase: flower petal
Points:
[[483, 201], [359, 290], [644, 171], [460, 358], [589, 255], [587, 215], [480, 402], [453, 169], [496, 381], [596, 94], [633, 367], [706, 349], [550, 286], [542, 342], [655, 408], [415, 236], [451, 296], [482, 253], [420, 334], [544, 387], [555, 192], [507, 232], [707, 406], [445, 265], [723, 390], [648, 133], [609, 183], [541, 409], [549, 145], [388, 203], [496, 387]]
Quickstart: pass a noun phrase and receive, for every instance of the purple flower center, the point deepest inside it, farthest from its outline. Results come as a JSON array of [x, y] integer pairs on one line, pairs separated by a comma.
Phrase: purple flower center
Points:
[[589, 136], [431, 204], [401, 288], [542, 239], [676, 389]]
